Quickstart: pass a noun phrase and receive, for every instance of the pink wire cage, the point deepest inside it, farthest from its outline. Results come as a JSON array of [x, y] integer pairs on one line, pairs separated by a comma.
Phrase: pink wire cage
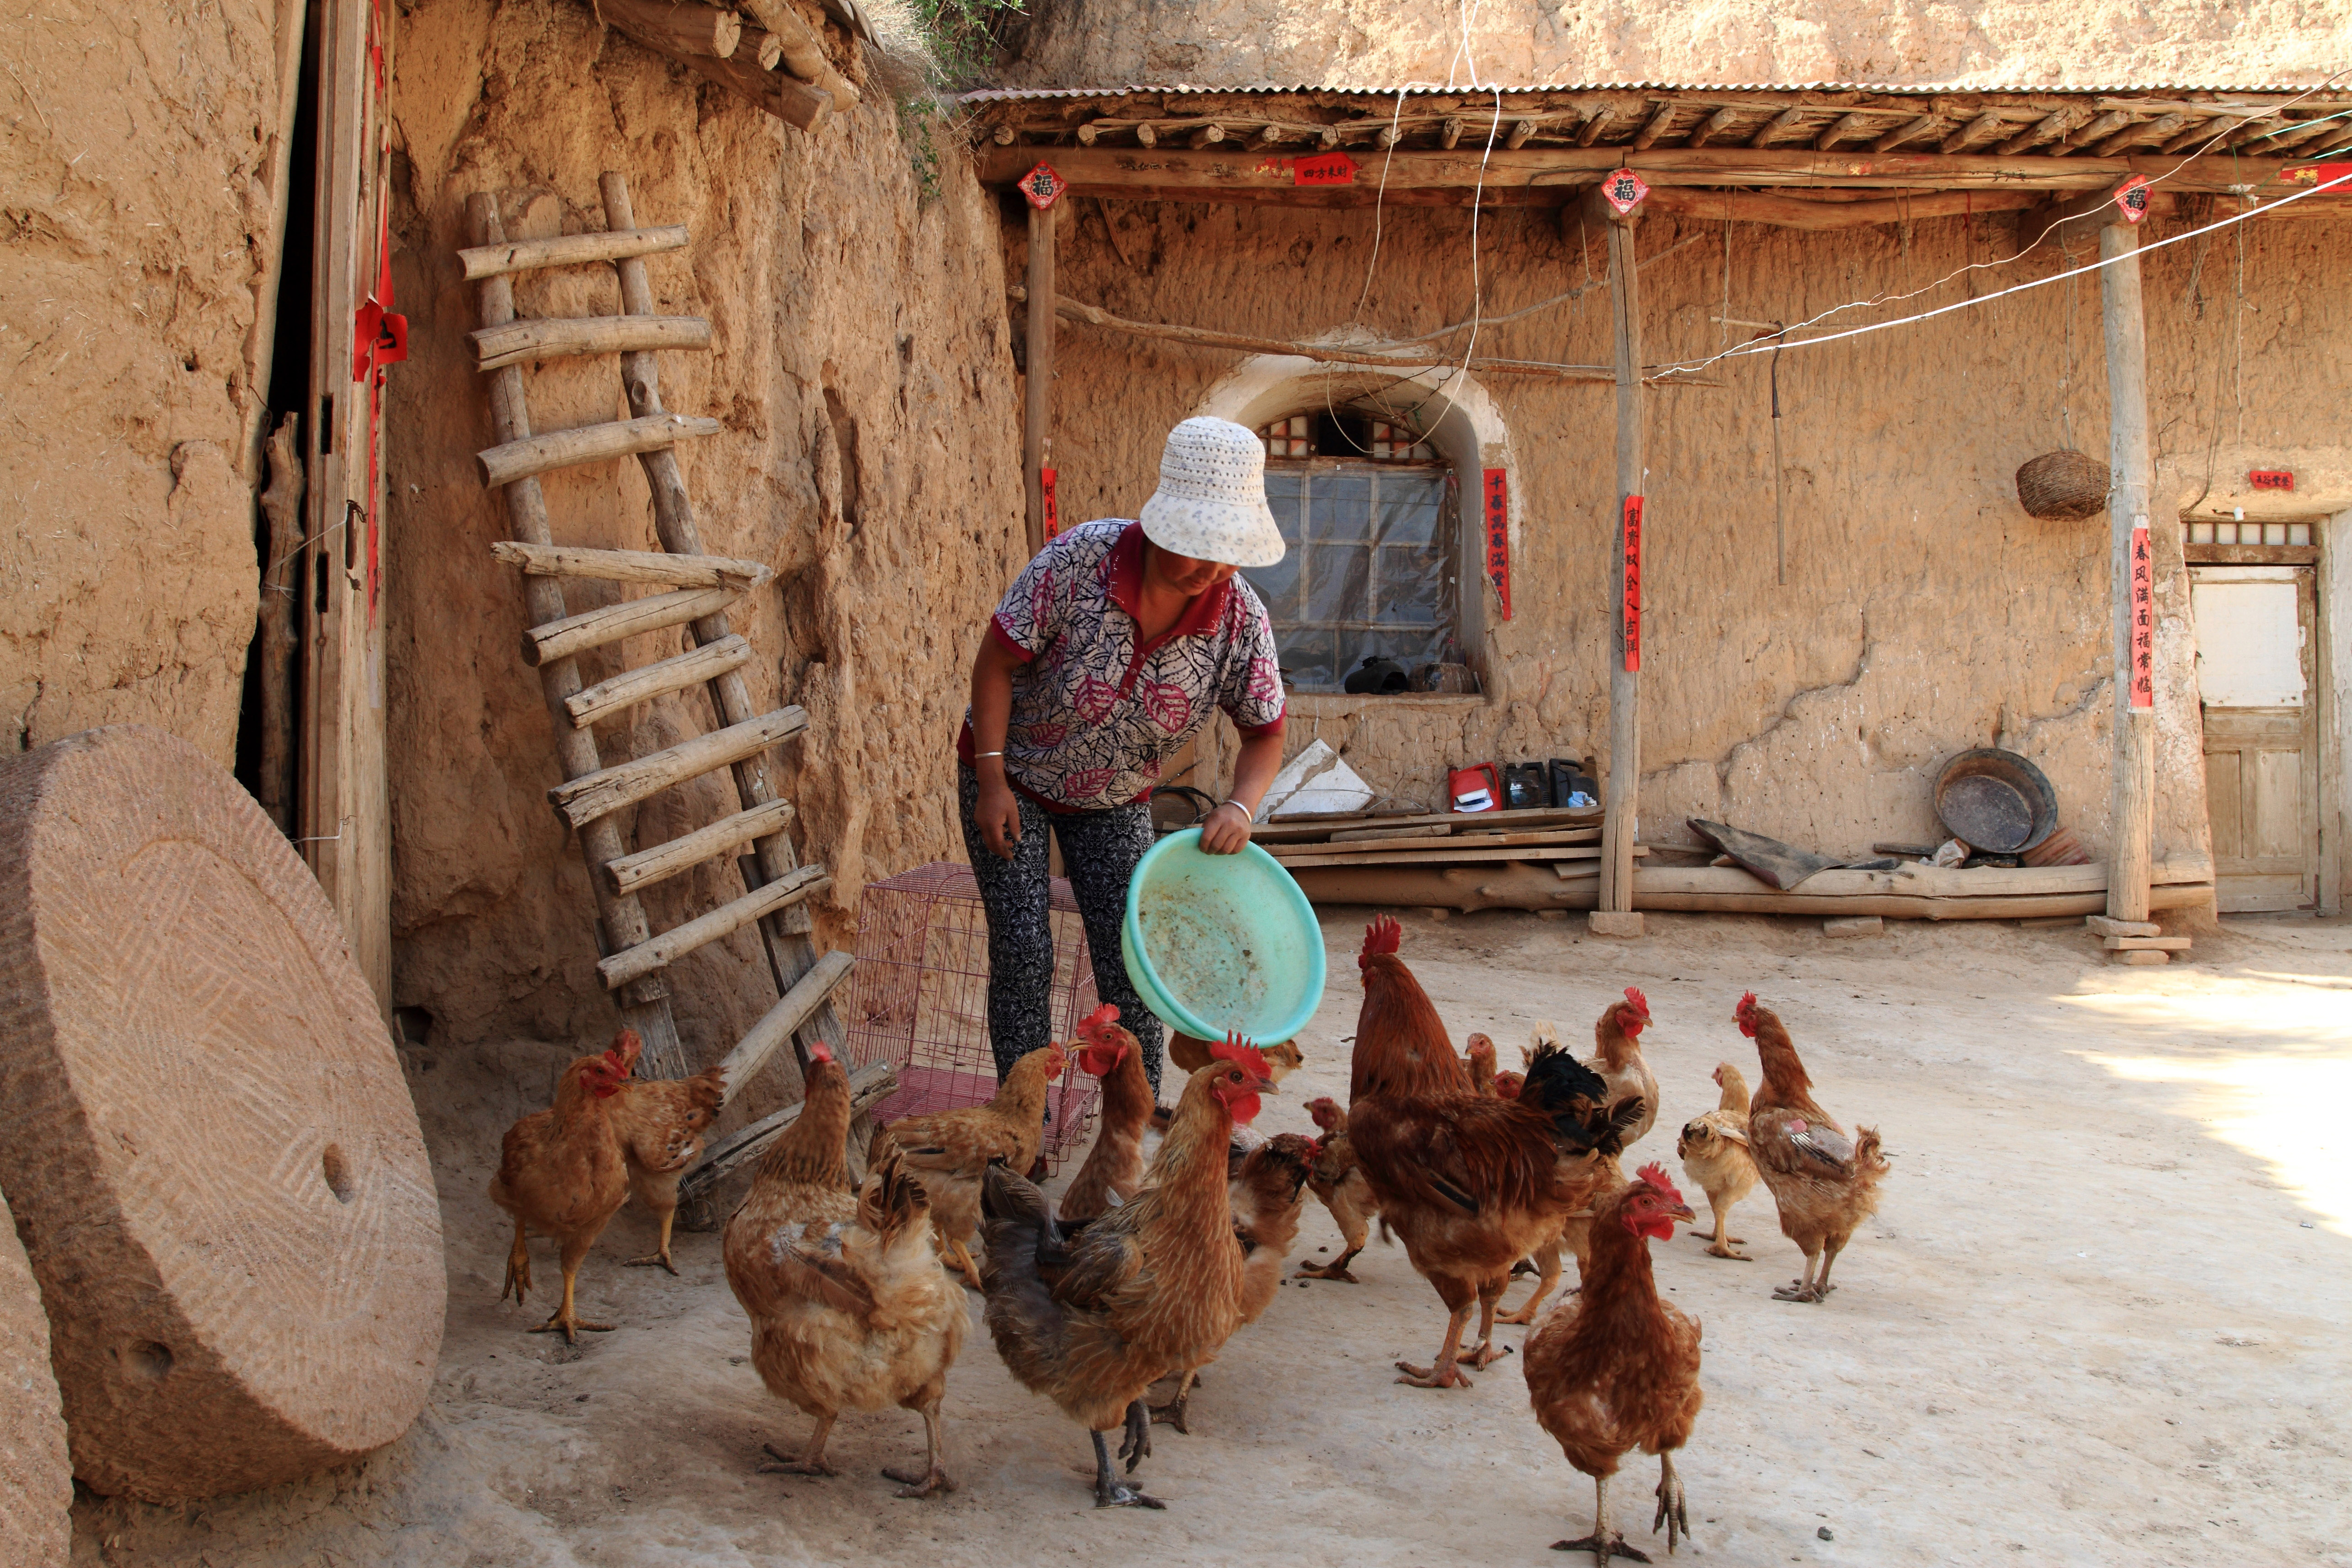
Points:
[[919, 998]]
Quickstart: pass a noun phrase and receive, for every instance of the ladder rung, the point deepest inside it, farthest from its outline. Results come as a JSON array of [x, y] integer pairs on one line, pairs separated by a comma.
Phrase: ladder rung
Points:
[[633, 565], [784, 1020], [647, 867], [869, 1086], [677, 941], [675, 673], [567, 251], [584, 799], [588, 444], [630, 618], [553, 336]]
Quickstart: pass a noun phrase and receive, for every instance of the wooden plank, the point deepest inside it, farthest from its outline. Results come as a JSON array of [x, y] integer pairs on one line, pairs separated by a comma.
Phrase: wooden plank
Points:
[[556, 337], [647, 867], [1795, 211], [675, 673], [584, 800], [1417, 839], [1038, 374], [635, 566], [503, 465], [1920, 882], [784, 1020], [2132, 811], [575, 635], [1299, 829], [728, 918], [482, 261], [2146, 943], [1365, 834], [1442, 855], [869, 1086]]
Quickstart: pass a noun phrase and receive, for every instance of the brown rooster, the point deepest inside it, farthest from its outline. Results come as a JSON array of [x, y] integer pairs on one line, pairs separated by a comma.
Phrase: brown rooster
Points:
[[1114, 1166], [949, 1151], [849, 1306], [1714, 1151], [1616, 1368], [661, 1122], [1267, 1189], [1334, 1179], [1151, 1288], [1617, 1057], [563, 1172], [1472, 1183], [1825, 1183]]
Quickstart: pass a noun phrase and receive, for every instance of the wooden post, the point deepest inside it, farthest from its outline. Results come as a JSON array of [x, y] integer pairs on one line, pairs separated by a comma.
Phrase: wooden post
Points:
[[1037, 426], [2132, 814], [1621, 826]]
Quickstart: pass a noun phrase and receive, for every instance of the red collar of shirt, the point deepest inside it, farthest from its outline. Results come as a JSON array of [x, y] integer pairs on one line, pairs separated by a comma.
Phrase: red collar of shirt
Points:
[[1124, 584]]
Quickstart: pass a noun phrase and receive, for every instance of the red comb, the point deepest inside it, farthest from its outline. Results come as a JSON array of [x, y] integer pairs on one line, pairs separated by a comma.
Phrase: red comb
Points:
[[1381, 936], [819, 1051], [1640, 1002], [1092, 1025], [1233, 1049], [1746, 1014], [1656, 1174]]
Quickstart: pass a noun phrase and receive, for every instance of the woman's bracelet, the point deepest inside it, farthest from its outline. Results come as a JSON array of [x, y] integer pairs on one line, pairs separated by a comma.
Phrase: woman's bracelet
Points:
[[976, 755]]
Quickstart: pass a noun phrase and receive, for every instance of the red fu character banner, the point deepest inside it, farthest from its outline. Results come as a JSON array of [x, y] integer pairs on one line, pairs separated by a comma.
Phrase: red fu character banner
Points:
[[1052, 513], [1498, 501], [2143, 619], [1631, 543]]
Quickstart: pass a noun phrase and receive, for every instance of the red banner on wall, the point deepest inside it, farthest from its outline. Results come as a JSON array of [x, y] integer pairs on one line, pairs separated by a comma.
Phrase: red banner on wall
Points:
[[1631, 542], [1498, 501], [1052, 513], [2143, 619]]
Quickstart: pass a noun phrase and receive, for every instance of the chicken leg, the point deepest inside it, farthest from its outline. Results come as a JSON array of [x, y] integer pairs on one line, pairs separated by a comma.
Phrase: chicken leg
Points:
[[1173, 1413], [930, 1480], [1490, 1296], [1110, 1491], [1804, 1288], [566, 1321], [1673, 1511], [960, 1258], [812, 1461], [1724, 1240], [517, 1269], [1603, 1542], [659, 1255], [1446, 1371], [1548, 1261], [1335, 1269]]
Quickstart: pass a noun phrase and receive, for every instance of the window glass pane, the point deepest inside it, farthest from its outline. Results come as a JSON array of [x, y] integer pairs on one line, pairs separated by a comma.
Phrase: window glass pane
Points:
[[1409, 587], [1286, 489], [1278, 586], [1340, 508], [1411, 506], [1338, 583]]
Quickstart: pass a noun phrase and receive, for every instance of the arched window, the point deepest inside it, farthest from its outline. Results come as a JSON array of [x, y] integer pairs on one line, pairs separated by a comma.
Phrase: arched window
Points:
[[1368, 510]]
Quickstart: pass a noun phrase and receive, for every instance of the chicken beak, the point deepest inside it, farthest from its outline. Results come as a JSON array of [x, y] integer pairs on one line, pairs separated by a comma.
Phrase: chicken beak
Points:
[[1261, 1086], [1685, 1214]]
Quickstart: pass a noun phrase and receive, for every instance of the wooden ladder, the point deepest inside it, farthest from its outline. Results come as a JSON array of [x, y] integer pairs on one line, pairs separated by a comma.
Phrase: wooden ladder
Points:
[[698, 589]]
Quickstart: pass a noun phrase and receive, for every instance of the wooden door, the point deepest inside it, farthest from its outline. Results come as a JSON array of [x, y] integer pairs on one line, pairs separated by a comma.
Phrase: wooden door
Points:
[[2256, 650]]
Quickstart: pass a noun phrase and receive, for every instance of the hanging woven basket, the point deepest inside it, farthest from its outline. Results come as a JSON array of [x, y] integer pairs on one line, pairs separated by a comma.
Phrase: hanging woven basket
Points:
[[2064, 486]]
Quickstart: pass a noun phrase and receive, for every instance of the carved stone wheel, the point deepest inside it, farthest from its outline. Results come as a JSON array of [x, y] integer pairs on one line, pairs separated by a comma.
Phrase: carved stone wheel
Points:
[[35, 1479], [205, 1134]]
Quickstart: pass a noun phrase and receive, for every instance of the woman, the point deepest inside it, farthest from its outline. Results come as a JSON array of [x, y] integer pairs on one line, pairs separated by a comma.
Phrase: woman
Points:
[[1115, 644]]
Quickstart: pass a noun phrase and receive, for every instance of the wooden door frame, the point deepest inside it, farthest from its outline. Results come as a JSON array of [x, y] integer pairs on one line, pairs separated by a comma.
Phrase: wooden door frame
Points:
[[2320, 748], [2332, 634]]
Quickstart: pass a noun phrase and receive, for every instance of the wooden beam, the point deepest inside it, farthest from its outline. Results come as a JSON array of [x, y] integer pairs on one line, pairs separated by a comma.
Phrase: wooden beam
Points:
[[1037, 402], [583, 800], [1974, 131], [795, 102], [2049, 128], [555, 337], [681, 28], [661, 952], [781, 1021], [1846, 125], [1647, 137], [1908, 132], [1712, 126], [1620, 827], [675, 673], [663, 861], [2132, 812], [535, 455], [803, 54], [575, 635], [1595, 122], [2160, 129], [2076, 221], [2098, 130], [1773, 129], [1795, 211], [482, 261], [633, 566]]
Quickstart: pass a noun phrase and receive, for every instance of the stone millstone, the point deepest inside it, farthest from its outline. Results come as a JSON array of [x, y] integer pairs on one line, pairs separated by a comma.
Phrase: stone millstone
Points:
[[205, 1134], [35, 1478]]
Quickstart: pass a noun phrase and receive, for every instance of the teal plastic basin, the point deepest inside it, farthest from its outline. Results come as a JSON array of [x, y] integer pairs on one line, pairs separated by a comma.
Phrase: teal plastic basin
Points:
[[1219, 942]]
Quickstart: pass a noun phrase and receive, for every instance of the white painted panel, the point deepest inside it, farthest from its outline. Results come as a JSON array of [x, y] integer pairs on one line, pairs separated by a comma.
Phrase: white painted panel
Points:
[[2249, 646]]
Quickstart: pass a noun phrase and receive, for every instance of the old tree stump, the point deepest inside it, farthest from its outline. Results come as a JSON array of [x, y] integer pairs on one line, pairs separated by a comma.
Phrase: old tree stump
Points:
[[204, 1135], [35, 1480]]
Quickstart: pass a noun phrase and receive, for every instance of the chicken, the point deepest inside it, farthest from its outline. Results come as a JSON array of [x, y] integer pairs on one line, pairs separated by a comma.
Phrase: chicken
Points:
[[1266, 1187], [1114, 1166], [1479, 1050], [949, 1151], [1191, 1054], [1714, 1151], [1151, 1288], [1334, 1179], [661, 1122], [1616, 1368], [563, 1172], [1825, 1183], [849, 1311], [1471, 1181], [1574, 1236], [1617, 1057]]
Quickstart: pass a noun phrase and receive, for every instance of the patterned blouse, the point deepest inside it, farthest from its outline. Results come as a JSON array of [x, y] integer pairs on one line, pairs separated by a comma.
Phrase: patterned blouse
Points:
[[1094, 715]]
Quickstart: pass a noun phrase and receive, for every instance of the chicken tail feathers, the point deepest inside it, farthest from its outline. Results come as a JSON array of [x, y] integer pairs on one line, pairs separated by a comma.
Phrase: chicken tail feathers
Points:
[[1027, 1324], [893, 1200], [1555, 1079], [1868, 1160]]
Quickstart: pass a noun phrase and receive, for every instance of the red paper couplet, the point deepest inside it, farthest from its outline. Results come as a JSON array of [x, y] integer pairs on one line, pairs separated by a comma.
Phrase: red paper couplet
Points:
[[1623, 191], [1053, 513], [2131, 199], [1043, 186], [2271, 479], [1497, 496], [1329, 169], [2143, 619], [1631, 544]]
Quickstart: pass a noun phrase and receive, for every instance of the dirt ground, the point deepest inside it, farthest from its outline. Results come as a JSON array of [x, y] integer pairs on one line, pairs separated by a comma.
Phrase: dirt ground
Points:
[[2098, 1321]]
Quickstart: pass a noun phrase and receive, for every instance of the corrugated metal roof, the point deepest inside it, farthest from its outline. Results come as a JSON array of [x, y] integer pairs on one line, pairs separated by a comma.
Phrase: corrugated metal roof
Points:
[[1922, 90]]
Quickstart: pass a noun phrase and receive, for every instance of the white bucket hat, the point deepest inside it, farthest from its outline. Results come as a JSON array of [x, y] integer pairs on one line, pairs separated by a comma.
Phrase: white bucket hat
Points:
[[1211, 503]]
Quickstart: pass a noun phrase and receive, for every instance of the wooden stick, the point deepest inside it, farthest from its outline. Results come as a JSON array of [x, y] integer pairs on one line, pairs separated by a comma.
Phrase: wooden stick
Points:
[[803, 53], [645, 1004], [2131, 817], [1038, 376], [675, 673], [1369, 841], [1297, 829], [553, 337], [768, 49], [584, 800], [680, 28], [664, 862], [869, 1086], [635, 566], [702, 930], [1620, 826], [1434, 855], [482, 261], [503, 465], [631, 617], [780, 93], [784, 1020]]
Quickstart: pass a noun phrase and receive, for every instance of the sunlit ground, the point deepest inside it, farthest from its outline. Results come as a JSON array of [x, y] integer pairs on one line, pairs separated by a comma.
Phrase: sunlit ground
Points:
[[2262, 1056]]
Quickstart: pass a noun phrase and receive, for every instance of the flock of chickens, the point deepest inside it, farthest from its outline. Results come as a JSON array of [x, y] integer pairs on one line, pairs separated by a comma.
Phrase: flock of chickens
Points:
[[1151, 1265]]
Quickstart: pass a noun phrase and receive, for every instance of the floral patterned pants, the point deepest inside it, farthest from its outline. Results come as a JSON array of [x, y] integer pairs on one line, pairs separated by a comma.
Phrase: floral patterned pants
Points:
[[1099, 850]]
